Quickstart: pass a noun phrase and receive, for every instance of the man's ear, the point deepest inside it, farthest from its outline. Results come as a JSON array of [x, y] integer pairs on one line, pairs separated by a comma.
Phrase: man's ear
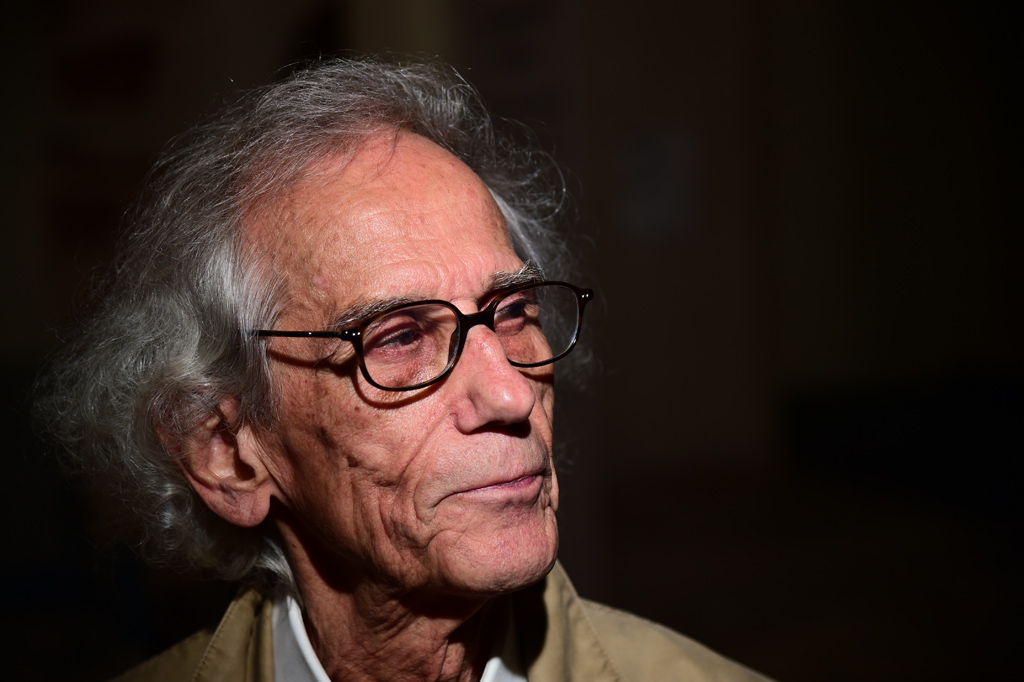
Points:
[[224, 467]]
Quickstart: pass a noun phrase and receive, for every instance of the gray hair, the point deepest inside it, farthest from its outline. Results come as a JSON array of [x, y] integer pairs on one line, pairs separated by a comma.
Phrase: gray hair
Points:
[[162, 346]]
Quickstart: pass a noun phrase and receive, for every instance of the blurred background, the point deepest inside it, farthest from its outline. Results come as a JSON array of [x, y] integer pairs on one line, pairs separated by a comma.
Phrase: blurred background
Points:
[[802, 443]]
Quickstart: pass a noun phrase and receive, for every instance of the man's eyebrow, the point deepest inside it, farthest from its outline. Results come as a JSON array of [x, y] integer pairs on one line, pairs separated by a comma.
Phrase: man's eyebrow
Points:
[[528, 274], [360, 311]]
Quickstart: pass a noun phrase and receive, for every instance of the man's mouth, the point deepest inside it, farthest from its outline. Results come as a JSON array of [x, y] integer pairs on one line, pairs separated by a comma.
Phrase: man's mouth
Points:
[[526, 486]]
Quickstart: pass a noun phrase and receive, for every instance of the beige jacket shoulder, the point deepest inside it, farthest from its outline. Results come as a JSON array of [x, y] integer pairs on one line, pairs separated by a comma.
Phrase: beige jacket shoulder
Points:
[[563, 638], [241, 648], [580, 641]]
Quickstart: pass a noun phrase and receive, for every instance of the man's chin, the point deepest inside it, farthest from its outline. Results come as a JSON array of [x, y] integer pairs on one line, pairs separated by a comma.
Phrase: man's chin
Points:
[[503, 563]]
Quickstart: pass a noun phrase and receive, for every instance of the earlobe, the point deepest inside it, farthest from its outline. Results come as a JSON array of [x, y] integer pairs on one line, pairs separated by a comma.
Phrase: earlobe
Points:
[[224, 467]]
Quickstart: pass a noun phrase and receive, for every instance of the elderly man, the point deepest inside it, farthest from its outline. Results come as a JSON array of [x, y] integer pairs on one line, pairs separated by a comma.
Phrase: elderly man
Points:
[[322, 366]]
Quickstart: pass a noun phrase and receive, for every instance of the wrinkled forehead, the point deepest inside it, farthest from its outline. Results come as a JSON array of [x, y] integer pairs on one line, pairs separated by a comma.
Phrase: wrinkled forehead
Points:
[[397, 214]]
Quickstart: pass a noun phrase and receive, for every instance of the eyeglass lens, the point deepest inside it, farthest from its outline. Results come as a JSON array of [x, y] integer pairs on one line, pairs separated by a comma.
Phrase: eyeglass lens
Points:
[[416, 344]]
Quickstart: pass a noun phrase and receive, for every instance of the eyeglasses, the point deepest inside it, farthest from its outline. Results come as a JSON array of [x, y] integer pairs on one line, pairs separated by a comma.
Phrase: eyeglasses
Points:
[[417, 344]]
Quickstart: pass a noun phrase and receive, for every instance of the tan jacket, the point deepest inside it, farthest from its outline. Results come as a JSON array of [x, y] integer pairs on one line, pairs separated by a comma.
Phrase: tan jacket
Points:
[[563, 638]]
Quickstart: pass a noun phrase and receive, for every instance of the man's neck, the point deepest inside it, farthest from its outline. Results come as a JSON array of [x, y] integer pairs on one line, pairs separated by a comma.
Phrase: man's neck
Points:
[[367, 634], [363, 629]]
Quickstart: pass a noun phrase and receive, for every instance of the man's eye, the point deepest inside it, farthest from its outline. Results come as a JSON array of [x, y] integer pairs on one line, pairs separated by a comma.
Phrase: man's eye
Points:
[[516, 314], [403, 337], [513, 310], [396, 336]]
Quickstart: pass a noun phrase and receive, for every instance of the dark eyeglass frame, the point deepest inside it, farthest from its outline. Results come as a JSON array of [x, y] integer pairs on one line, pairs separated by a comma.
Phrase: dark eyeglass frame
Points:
[[354, 335]]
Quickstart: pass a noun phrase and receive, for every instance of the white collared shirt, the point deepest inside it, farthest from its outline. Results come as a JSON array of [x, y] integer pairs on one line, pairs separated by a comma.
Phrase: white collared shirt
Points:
[[295, 660]]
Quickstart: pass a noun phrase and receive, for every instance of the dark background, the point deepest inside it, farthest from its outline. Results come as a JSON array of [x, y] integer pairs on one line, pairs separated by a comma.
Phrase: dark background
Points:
[[802, 443]]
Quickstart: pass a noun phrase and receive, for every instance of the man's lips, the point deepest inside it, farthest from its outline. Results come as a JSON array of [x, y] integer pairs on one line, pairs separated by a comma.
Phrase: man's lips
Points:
[[527, 485], [515, 484]]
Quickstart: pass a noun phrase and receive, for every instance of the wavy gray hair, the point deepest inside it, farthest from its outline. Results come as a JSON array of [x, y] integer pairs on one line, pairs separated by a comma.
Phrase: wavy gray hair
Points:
[[162, 346]]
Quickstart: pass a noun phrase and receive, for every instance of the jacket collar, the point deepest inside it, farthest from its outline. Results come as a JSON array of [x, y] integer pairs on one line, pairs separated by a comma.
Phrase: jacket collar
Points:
[[242, 647], [557, 639]]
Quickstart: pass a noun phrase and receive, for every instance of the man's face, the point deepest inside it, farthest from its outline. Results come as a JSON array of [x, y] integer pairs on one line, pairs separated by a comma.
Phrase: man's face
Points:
[[449, 488]]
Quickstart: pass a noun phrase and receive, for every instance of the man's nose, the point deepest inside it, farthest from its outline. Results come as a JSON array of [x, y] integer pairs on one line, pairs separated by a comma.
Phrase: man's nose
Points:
[[492, 390]]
